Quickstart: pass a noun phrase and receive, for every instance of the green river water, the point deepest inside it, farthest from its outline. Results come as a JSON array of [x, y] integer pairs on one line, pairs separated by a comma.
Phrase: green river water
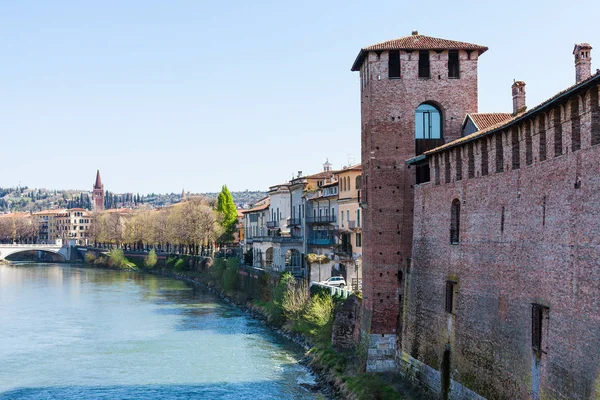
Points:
[[72, 332]]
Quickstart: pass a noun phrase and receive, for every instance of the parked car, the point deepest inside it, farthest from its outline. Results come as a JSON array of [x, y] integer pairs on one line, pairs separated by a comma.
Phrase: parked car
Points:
[[338, 281]]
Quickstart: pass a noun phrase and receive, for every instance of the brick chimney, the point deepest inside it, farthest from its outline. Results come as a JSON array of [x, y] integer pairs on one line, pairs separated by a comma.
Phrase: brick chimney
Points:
[[583, 61], [518, 94]]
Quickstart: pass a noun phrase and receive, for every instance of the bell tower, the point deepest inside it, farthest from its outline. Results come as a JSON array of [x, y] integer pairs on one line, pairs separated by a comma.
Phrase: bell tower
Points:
[[98, 193], [415, 91]]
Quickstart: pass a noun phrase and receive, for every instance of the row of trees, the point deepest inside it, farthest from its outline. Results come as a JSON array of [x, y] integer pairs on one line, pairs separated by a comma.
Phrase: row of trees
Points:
[[18, 228], [189, 227]]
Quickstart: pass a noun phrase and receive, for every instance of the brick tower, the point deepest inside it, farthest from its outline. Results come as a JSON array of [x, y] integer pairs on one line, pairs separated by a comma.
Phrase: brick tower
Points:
[[415, 92], [98, 193]]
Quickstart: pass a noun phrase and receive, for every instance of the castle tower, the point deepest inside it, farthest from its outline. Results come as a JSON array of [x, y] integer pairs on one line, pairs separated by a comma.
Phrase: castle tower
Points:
[[583, 61], [415, 92], [98, 193]]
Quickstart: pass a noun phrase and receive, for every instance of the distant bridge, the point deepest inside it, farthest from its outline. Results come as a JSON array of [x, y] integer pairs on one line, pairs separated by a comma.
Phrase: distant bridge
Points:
[[10, 249]]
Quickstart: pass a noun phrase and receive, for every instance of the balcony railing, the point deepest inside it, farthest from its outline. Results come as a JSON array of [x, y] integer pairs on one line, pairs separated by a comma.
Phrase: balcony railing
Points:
[[321, 242], [353, 225], [272, 224], [278, 239], [294, 221], [322, 219]]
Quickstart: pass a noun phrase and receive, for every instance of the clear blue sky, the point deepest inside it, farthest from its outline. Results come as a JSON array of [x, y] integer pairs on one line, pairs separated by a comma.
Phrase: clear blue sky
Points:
[[161, 95]]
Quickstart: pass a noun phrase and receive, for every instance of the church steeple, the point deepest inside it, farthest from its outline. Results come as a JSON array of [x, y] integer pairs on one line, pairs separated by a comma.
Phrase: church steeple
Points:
[[98, 193], [98, 183]]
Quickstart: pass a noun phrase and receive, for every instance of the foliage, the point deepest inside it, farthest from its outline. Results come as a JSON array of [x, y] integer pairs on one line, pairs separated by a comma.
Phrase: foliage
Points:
[[371, 387], [180, 264], [117, 259], [230, 278], [226, 208], [317, 259], [151, 259], [90, 257]]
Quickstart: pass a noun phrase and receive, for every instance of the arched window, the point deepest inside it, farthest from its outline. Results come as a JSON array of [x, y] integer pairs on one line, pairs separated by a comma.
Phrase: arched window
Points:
[[428, 122], [455, 222]]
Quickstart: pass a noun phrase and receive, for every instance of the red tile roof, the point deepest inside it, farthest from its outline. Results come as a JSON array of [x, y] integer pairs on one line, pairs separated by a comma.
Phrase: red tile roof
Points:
[[416, 42], [485, 120]]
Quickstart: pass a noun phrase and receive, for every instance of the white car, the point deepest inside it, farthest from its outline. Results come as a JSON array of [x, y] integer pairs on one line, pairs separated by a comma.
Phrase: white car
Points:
[[338, 281]]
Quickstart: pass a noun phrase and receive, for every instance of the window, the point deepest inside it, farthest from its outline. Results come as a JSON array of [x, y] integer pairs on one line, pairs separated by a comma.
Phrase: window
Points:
[[424, 64], [342, 219], [428, 122], [450, 297], [358, 218], [455, 222], [453, 64], [359, 240], [539, 314], [458, 164], [394, 64]]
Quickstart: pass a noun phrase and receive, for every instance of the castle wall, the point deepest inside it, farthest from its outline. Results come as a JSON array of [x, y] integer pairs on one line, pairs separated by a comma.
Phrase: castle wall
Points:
[[529, 234]]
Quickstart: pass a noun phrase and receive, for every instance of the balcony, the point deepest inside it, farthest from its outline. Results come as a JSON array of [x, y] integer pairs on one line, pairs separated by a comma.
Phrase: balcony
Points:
[[354, 226], [321, 242], [272, 224], [278, 239], [294, 221], [343, 251], [322, 219]]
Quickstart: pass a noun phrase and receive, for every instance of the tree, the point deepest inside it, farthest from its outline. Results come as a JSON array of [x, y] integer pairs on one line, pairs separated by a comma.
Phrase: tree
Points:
[[226, 207]]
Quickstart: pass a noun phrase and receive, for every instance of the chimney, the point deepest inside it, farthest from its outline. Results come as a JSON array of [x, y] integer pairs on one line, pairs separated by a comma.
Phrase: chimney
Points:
[[583, 61], [518, 94], [415, 33], [299, 174]]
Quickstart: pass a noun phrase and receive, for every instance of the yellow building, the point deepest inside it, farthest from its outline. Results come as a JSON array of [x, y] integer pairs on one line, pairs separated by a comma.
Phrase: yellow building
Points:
[[349, 221]]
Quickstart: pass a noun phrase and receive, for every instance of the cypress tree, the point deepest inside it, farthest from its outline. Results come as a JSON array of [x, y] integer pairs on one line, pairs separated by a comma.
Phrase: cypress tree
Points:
[[226, 207]]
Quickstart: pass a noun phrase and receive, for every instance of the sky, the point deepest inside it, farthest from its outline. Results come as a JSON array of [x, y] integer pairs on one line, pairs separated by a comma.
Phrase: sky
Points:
[[166, 95]]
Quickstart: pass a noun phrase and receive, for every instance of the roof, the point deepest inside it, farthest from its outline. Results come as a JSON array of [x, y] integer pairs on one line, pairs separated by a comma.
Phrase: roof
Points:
[[334, 183], [416, 42], [259, 206], [355, 167], [595, 78], [485, 120], [98, 184], [49, 212]]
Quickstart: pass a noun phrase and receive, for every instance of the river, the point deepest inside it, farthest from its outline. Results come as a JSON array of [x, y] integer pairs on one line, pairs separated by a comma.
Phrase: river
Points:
[[72, 332]]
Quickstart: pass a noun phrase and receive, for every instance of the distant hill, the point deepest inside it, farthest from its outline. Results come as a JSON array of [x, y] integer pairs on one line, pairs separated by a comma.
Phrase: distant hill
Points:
[[26, 199]]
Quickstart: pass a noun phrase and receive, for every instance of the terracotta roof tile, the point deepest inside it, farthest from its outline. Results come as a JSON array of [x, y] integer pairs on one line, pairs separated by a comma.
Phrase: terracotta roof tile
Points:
[[416, 42], [485, 120], [505, 124]]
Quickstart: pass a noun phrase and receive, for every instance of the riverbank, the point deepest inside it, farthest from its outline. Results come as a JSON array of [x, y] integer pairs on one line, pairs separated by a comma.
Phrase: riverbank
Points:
[[337, 373]]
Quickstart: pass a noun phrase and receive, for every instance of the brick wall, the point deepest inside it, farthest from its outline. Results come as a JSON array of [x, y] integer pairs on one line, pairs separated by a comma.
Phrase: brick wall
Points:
[[528, 234]]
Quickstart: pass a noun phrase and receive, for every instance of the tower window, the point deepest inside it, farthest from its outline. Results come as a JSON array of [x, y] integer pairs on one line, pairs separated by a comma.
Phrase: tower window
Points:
[[453, 64], [394, 64], [539, 313], [450, 297], [424, 64], [428, 122], [455, 222]]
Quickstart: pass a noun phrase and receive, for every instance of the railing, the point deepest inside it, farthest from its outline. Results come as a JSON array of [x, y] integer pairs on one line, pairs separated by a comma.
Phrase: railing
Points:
[[322, 219], [333, 290], [353, 225], [344, 252], [321, 242], [295, 270], [277, 239], [272, 224], [294, 221]]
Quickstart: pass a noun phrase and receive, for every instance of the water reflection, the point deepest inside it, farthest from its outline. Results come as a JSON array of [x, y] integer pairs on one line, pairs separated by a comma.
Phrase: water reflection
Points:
[[76, 332]]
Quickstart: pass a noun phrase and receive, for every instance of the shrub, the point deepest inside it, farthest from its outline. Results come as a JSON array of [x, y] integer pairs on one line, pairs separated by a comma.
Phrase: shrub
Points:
[[116, 258], [179, 264], [90, 257], [230, 278], [151, 259]]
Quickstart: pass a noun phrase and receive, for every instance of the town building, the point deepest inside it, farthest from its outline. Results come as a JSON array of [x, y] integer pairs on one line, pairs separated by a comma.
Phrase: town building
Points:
[[73, 224], [480, 253], [301, 217], [98, 193]]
